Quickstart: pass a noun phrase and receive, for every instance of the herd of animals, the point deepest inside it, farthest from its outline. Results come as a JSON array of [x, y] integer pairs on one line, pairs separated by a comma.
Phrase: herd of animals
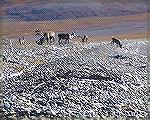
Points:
[[50, 37]]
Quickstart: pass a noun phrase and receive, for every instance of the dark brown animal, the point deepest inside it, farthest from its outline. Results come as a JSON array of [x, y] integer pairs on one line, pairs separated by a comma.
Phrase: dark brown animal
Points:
[[66, 37], [116, 41]]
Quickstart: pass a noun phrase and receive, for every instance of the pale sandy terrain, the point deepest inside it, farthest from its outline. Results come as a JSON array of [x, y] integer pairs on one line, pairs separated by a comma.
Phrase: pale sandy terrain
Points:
[[128, 36], [15, 29]]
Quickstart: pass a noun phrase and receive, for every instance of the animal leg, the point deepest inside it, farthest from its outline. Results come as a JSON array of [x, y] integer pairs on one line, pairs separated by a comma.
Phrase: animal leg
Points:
[[67, 41], [23, 42], [50, 40], [47, 39], [120, 45], [20, 41], [82, 39], [112, 43], [53, 39], [59, 41], [41, 40], [86, 39]]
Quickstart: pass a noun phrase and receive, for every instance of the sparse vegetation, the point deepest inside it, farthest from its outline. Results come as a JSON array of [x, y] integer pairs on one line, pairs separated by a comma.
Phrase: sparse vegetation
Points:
[[72, 66]]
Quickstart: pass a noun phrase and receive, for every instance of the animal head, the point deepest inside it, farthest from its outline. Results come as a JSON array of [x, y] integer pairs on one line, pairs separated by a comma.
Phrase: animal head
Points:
[[45, 34], [51, 33], [86, 36], [120, 45], [38, 31], [72, 35], [114, 38]]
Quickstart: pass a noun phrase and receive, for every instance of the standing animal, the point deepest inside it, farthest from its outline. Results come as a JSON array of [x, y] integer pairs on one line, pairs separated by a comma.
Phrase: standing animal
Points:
[[22, 41], [116, 41], [4, 58], [47, 35], [84, 38], [50, 36], [66, 37]]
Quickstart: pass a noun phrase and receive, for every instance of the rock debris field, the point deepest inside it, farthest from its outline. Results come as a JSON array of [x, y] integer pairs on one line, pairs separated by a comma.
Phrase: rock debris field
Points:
[[91, 80]]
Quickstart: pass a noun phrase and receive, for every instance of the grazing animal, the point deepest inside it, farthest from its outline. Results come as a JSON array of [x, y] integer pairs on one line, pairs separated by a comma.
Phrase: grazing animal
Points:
[[40, 41], [84, 38], [46, 35], [22, 41], [4, 59], [66, 37], [116, 41]]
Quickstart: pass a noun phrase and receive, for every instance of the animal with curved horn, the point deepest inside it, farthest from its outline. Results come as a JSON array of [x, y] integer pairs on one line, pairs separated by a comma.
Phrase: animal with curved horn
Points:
[[38, 32]]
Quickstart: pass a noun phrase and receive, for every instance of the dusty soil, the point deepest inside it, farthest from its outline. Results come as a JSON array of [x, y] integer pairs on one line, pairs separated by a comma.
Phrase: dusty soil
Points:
[[14, 29]]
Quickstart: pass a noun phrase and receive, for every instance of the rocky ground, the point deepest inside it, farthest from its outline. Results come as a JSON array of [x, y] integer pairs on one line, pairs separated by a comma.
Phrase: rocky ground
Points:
[[76, 80]]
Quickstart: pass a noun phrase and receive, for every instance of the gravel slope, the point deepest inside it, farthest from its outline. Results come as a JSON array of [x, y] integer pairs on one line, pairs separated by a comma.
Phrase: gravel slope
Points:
[[77, 80]]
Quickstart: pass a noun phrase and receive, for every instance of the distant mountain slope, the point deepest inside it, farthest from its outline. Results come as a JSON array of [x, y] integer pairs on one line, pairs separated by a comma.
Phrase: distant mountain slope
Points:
[[60, 11], [10, 2]]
